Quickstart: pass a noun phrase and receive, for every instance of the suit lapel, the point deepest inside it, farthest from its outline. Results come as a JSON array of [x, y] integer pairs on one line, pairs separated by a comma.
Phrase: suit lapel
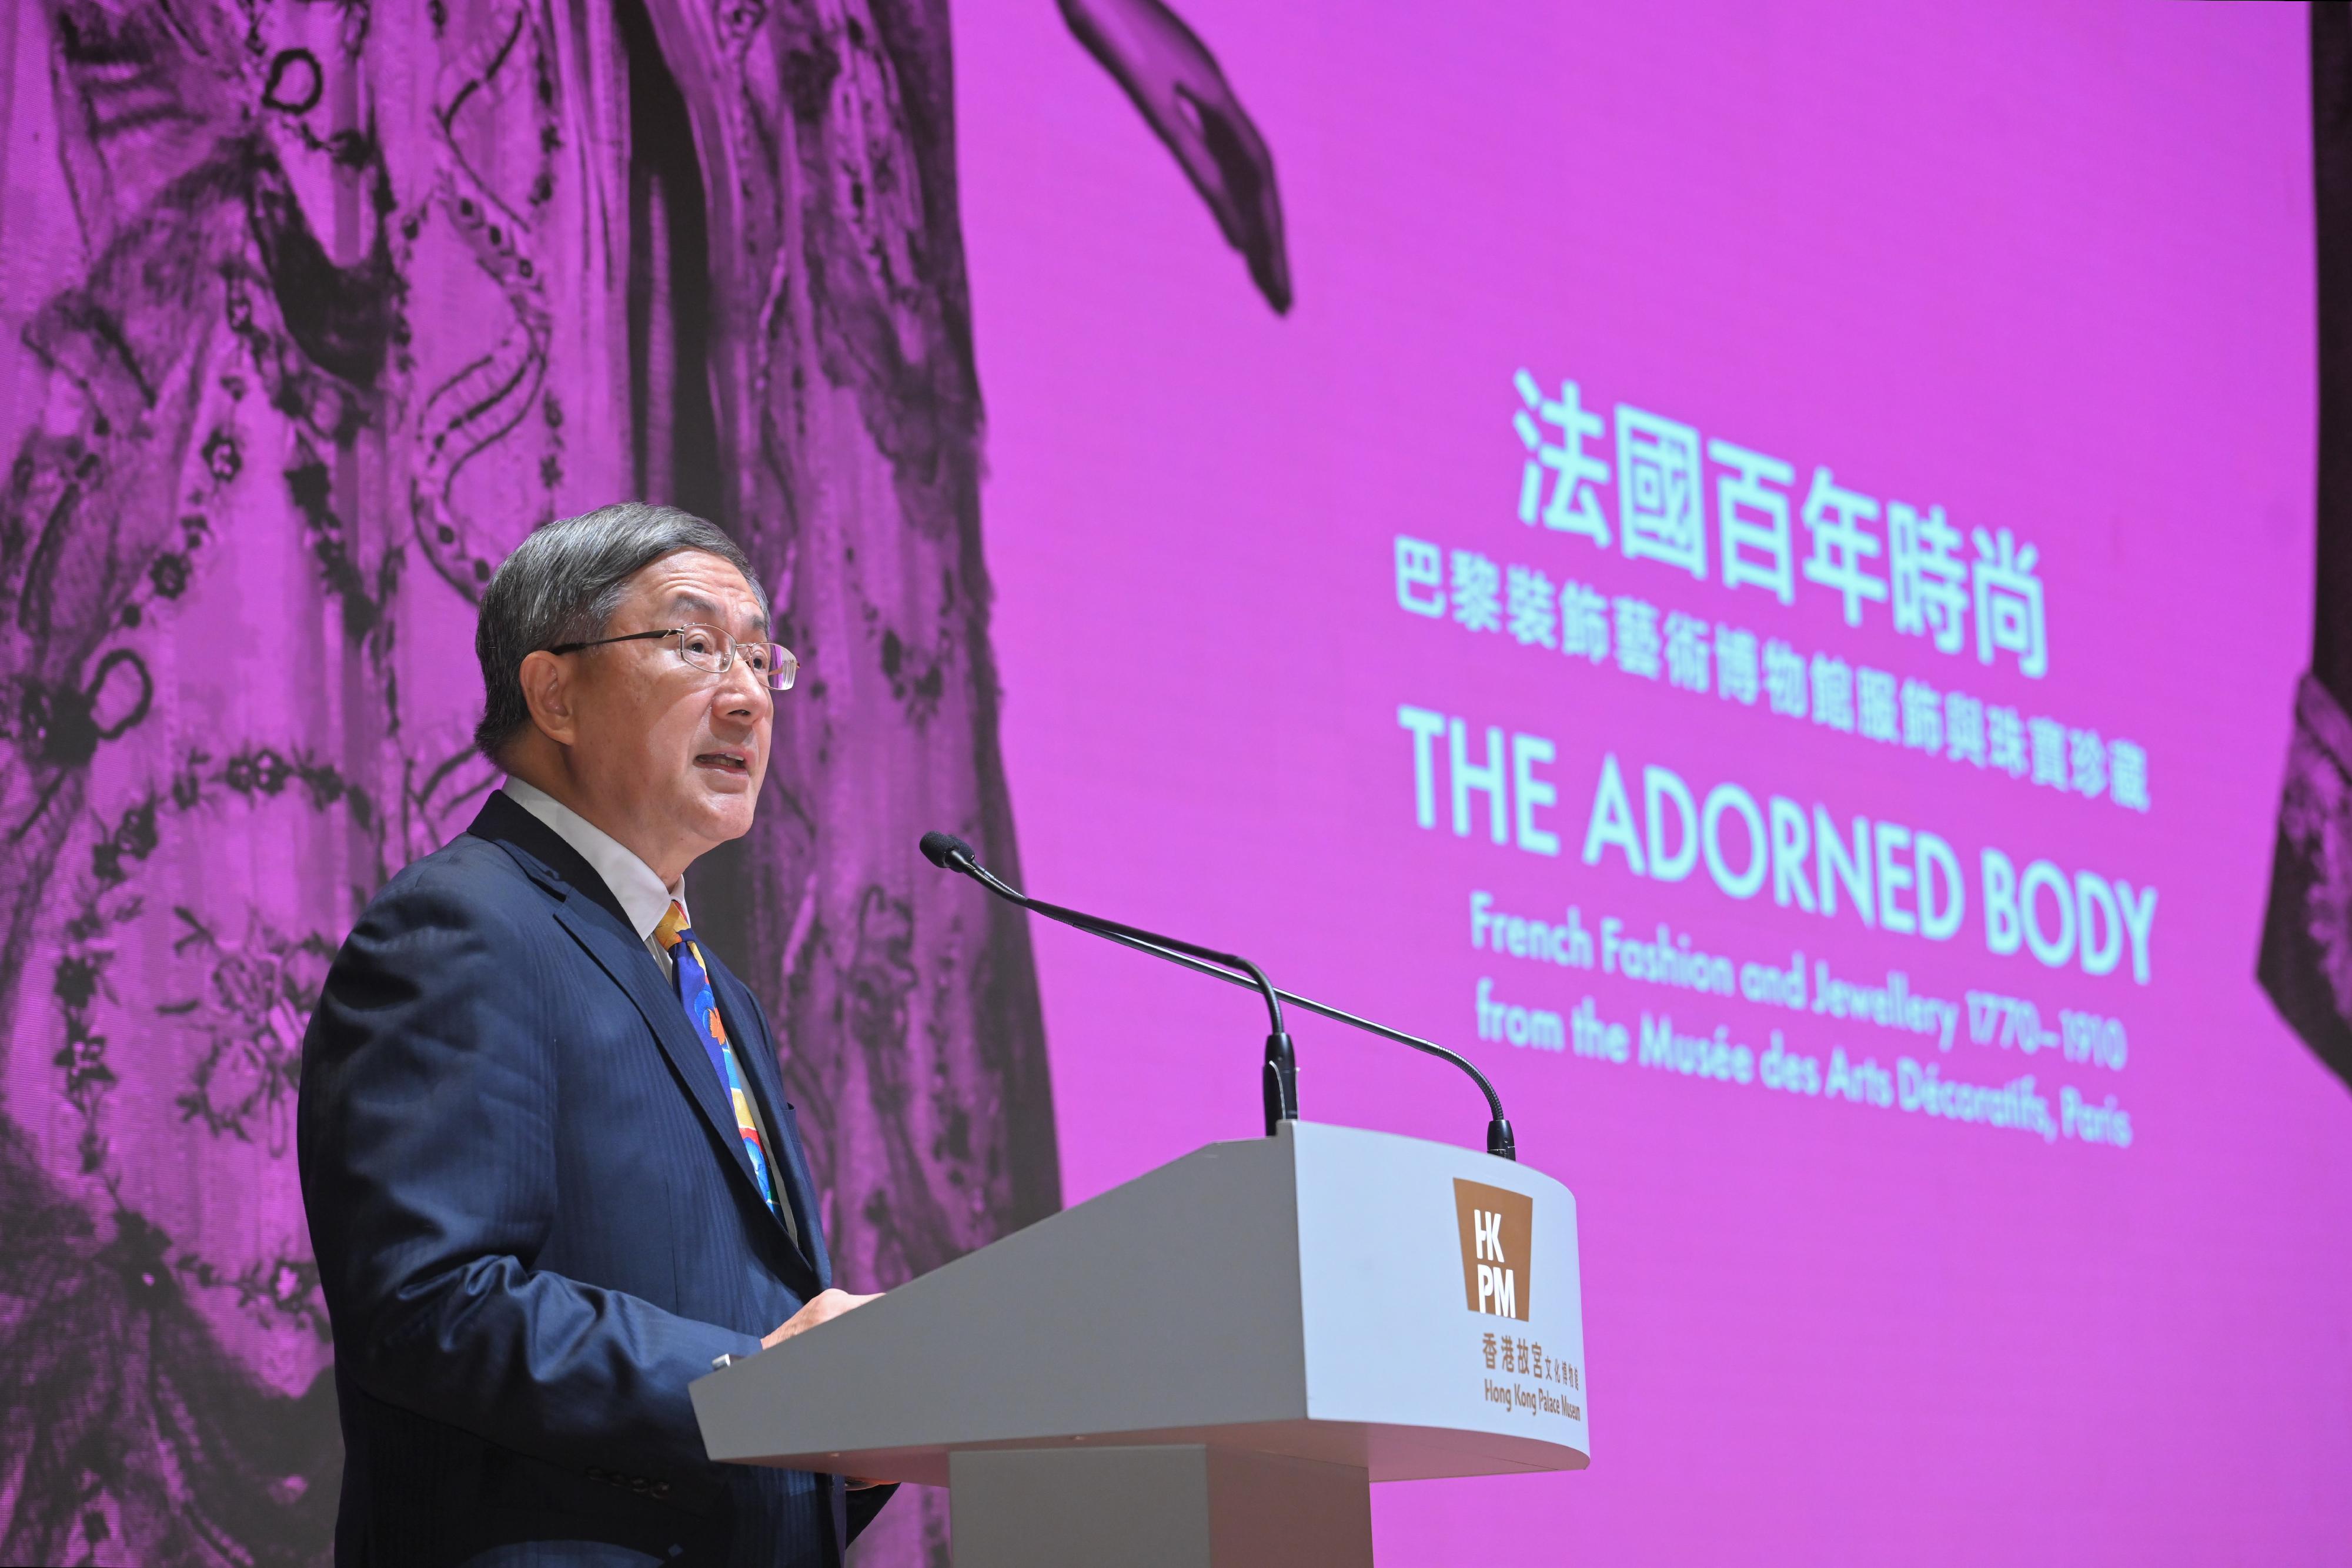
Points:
[[625, 958], [596, 923]]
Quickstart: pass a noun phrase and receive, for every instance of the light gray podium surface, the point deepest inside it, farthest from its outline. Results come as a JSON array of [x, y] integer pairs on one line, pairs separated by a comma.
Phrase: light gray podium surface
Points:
[[1206, 1366]]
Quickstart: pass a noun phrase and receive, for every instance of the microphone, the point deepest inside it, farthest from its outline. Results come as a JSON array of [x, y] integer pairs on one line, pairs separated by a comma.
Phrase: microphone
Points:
[[949, 853]]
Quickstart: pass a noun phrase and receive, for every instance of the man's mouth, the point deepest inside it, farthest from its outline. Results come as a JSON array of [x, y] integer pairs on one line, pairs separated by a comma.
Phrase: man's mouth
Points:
[[734, 762]]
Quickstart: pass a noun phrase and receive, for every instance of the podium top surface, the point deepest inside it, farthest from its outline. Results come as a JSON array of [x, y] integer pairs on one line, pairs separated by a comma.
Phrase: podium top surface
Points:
[[1409, 1308]]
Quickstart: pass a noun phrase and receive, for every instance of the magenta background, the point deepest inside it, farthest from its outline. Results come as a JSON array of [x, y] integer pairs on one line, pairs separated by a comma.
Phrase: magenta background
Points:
[[2051, 270], [2048, 267]]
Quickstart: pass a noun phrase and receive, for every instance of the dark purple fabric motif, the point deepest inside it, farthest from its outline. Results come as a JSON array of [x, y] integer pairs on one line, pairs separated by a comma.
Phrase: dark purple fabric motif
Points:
[[2305, 959], [2306, 952]]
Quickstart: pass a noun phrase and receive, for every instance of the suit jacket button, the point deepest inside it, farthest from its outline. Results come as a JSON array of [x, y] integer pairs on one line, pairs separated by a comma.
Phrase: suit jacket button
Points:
[[661, 1489]]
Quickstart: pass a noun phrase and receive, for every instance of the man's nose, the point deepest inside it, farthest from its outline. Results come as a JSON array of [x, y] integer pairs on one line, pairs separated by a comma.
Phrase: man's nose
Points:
[[743, 691]]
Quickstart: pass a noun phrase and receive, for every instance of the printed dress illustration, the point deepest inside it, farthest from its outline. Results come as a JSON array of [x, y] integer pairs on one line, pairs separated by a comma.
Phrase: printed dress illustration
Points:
[[2304, 961]]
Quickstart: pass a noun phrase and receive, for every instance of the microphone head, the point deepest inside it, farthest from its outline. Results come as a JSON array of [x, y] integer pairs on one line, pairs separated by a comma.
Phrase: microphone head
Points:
[[944, 850]]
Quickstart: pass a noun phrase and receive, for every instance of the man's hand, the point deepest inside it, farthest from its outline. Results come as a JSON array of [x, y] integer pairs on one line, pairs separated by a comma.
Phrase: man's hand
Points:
[[822, 1307]]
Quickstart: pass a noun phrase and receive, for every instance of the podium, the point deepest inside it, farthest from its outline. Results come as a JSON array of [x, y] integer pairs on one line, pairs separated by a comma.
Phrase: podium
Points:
[[1207, 1366]]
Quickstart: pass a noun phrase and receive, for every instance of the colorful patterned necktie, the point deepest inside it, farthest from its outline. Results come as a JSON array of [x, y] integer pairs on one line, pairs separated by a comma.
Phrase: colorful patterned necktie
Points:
[[693, 978]]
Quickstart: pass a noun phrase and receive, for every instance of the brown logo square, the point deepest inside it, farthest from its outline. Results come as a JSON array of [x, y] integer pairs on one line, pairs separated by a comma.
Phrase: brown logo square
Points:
[[1497, 1232]]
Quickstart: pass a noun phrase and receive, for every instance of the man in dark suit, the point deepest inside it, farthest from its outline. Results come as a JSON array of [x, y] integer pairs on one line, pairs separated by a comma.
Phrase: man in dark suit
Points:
[[549, 1169]]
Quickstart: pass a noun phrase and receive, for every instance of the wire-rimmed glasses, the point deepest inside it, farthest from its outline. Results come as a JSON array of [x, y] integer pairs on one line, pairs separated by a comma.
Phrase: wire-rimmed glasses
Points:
[[709, 648]]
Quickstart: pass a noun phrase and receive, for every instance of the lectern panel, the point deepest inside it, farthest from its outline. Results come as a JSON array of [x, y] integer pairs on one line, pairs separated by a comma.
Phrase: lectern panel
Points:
[[1439, 1291], [1406, 1309]]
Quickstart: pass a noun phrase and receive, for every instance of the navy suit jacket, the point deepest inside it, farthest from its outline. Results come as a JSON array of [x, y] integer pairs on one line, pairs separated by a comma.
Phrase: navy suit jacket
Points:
[[535, 1225]]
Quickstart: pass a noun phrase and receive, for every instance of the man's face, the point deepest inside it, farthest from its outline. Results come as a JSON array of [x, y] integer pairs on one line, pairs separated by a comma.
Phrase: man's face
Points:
[[671, 754]]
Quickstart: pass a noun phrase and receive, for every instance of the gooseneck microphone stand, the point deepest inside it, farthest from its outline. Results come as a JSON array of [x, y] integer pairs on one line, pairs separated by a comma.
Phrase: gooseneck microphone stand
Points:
[[1280, 1089], [1281, 1070]]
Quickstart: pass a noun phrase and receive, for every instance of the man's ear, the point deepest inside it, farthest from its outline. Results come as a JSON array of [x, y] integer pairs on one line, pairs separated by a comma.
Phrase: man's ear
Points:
[[547, 690]]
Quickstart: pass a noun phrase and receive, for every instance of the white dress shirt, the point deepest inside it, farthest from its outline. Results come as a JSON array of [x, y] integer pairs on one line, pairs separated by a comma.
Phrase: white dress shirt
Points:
[[642, 897], [645, 901]]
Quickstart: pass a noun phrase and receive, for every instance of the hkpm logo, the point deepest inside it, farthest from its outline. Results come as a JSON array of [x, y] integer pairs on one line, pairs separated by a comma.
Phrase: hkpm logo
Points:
[[1497, 1232]]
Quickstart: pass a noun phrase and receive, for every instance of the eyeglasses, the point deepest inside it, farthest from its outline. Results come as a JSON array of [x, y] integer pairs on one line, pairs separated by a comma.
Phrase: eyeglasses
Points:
[[709, 648]]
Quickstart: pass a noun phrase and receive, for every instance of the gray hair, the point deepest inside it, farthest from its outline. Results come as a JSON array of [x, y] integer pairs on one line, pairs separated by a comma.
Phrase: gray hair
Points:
[[563, 585]]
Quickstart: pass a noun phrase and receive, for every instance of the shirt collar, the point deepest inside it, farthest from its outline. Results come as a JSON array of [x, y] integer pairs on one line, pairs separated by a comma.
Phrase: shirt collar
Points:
[[639, 892]]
